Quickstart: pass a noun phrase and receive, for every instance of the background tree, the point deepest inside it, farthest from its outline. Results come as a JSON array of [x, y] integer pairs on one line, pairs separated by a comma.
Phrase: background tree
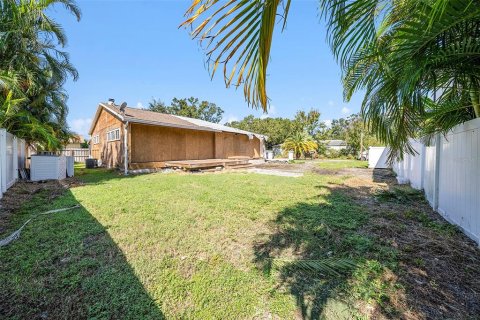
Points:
[[277, 129], [33, 71], [338, 129], [191, 107], [307, 121], [358, 136]]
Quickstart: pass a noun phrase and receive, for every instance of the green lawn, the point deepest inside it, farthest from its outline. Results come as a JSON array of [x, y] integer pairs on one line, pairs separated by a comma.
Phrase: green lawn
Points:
[[196, 246], [342, 164]]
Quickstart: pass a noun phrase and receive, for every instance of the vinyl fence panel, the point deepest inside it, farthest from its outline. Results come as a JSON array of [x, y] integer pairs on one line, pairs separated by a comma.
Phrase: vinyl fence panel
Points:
[[10, 159], [416, 165], [377, 158], [429, 173], [459, 175], [450, 175]]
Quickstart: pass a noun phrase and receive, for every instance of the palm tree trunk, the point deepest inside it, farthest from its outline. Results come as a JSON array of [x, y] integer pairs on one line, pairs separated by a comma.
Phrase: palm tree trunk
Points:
[[475, 98], [475, 95]]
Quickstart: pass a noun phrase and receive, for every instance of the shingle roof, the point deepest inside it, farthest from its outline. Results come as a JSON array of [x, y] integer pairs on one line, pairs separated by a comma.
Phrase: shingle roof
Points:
[[335, 143], [167, 120], [151, 117]]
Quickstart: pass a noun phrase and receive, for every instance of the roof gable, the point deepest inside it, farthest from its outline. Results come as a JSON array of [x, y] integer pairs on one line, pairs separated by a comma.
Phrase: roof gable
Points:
[[97, 115]]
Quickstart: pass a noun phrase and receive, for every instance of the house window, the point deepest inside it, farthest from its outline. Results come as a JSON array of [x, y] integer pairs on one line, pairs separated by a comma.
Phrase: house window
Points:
[[113, 135], [96, 139]]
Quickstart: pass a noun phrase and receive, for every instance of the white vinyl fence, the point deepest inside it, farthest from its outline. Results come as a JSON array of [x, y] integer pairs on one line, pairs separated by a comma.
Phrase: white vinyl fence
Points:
[[12, 157], [449, 173], [79, 154], [377, 158]]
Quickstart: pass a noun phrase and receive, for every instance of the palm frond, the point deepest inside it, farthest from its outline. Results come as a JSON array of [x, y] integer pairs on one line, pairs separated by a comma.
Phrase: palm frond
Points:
[[419, 49], [327, 266], [238, 35], [33, 70]]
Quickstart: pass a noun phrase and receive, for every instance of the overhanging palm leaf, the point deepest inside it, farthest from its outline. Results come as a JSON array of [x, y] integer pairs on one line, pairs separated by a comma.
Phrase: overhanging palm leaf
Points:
[[33, 71], [421, 49], [327, 266], [401, 53], [238, 34]]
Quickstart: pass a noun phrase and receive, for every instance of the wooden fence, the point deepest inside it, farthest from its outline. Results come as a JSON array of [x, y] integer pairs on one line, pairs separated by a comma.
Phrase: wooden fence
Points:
[[79, 154]]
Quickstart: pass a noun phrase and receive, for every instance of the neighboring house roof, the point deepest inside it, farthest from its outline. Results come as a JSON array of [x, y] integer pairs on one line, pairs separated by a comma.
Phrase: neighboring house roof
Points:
[[76, 138], [335, 143], [135, 115]]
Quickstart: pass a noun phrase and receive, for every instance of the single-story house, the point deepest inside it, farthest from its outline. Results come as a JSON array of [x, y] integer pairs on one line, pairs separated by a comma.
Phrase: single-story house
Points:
[[335, 144], [133, 138]]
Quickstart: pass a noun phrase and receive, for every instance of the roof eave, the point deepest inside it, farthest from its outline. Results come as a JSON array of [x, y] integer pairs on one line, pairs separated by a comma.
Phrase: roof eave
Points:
[[163, 124], [97, 114]]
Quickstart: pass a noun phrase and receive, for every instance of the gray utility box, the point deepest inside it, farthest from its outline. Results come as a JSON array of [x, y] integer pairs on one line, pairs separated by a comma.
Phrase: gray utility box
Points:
[[50, 167]]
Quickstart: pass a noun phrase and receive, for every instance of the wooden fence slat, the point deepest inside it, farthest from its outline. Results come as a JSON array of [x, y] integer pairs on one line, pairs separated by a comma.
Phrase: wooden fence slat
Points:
[[79, 155]]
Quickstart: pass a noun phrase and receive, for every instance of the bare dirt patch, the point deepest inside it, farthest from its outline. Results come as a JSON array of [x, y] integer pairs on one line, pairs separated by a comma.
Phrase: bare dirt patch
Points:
[[22, 193], [438, 264]]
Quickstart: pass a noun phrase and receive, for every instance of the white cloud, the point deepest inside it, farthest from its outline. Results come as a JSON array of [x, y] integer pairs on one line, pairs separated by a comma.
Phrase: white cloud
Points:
[[81, 126], [345, 110], [229, 119], [139, 105], [271, 112], [232, 118], [327, 122]]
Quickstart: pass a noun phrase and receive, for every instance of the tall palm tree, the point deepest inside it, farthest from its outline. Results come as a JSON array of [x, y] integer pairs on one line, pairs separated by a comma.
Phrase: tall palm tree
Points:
[[416, 60], [33, 71], [300, 143]]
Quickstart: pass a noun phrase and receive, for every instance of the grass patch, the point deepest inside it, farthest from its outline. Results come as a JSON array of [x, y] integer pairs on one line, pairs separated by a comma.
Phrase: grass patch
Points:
[[297, 161], [400, 194], [191, 246], [441, 227], [342, 164]]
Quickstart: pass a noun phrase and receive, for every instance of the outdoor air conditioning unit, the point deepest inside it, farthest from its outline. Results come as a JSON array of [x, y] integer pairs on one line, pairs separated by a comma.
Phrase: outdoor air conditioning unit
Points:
[[50, 167]]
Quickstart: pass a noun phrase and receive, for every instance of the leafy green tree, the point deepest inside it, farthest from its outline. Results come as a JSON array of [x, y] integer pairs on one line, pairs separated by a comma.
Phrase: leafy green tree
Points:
[[301, 143], [191, 107], [418, 62], [277, 129], [33, 71], [338, 129], [307, 121], [358, 136]]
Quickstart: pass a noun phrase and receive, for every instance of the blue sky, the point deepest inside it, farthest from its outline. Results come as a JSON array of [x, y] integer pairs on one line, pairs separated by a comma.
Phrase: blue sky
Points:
[[133, 51]]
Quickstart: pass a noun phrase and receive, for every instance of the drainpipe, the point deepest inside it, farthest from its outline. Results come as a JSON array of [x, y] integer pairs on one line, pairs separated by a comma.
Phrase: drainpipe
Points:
[[125, 148]]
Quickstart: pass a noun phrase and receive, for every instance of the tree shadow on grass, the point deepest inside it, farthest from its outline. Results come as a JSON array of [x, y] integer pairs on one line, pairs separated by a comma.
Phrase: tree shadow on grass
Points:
[[336, 224], [314, 230], [66, 266], [411, 264]]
